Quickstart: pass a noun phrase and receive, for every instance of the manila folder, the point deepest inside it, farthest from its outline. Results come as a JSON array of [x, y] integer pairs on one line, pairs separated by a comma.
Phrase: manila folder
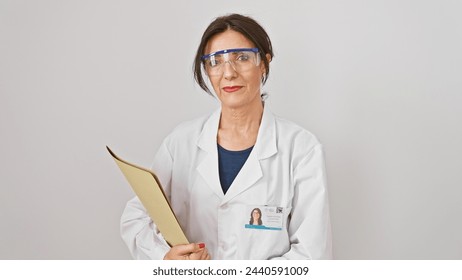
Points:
[[149, 190]]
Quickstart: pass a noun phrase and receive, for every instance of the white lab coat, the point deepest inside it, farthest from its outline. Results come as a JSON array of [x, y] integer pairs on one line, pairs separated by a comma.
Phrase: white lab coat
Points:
[[285, 169]]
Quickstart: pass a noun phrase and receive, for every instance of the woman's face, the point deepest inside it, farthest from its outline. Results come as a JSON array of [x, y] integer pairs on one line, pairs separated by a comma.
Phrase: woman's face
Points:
[[235, 90], [255, 215]]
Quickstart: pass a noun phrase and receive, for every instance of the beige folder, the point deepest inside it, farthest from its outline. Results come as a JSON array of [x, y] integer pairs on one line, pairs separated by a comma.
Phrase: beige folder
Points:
[[148, 189]]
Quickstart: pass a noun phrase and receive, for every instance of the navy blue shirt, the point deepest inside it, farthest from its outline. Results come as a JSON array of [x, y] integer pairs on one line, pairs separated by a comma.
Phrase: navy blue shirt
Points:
[[229, 165]]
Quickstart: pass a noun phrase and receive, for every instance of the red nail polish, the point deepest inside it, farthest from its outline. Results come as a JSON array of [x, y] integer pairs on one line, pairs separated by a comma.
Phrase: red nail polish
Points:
[[201, 245]]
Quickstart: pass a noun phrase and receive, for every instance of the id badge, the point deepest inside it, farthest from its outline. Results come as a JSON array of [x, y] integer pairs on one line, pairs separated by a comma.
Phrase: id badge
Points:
[[265, 218]]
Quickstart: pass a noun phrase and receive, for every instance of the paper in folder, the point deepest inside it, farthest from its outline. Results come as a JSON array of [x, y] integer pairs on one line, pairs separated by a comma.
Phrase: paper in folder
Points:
[[149, 190]]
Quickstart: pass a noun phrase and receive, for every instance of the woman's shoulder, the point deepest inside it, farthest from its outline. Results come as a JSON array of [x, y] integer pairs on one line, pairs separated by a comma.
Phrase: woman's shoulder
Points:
[[190, 129], [288, 129]]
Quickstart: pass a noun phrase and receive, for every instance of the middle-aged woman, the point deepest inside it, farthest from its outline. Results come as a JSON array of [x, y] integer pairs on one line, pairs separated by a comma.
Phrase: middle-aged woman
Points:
[[216, 169]]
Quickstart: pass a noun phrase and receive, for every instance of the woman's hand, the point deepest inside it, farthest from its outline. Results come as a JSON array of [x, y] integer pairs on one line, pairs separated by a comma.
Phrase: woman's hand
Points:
[[193, 251]]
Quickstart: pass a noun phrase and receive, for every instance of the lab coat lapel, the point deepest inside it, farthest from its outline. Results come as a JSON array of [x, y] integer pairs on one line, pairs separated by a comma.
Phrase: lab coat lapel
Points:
[[208, 167], [265, 147]]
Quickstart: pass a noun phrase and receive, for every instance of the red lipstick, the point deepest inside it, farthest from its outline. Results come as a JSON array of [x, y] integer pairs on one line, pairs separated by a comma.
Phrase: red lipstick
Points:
[[232, 89]]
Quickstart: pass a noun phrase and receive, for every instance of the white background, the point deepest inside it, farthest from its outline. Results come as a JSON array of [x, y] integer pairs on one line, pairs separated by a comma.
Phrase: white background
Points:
[[379, 83]]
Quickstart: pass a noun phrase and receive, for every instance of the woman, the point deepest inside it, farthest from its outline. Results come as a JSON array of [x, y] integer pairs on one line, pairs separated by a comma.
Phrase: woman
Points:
[[217, 168], [255, 217]]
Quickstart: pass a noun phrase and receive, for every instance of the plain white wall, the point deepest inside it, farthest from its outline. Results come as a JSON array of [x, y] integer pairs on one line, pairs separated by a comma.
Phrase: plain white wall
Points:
[[379, 83]]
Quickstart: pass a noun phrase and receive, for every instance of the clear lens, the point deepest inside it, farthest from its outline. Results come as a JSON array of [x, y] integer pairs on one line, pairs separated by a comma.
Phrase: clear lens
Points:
[[241, 60]]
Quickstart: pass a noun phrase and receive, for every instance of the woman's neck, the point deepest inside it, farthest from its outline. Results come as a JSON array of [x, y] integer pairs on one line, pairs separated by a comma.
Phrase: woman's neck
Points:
[[239, 127]]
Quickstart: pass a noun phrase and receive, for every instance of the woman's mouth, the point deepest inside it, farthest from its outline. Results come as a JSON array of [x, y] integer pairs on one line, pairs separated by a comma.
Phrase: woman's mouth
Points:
[[232, 89]]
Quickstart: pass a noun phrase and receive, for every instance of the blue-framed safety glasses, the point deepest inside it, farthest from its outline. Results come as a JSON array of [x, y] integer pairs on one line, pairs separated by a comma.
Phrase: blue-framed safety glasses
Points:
[[242, 60]]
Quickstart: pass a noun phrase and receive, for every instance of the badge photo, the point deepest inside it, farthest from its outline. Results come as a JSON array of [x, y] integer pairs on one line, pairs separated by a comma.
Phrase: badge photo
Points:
[[265, 218]]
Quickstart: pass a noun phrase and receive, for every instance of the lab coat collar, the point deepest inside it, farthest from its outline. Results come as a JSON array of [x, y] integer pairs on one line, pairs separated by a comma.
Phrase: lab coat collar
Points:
[[251, 172], [265, 145]]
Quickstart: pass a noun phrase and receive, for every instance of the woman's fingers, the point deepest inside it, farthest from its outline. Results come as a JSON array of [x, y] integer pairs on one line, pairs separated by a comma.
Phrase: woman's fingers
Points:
[[200, 254], [193, 251], [180, 252]]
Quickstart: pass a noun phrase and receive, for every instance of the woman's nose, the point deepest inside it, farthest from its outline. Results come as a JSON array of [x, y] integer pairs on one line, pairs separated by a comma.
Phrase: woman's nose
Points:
[[229, 72]]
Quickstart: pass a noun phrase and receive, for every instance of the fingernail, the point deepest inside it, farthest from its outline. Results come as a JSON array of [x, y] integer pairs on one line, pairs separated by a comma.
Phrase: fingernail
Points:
[[201, 245]]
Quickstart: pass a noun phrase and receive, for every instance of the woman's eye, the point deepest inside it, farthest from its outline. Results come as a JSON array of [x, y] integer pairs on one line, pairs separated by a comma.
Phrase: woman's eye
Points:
[[243, 57], [213, 62]]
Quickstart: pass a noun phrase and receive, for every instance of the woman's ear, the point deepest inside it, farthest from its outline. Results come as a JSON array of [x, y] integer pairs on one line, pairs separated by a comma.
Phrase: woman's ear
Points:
[[262, 65]]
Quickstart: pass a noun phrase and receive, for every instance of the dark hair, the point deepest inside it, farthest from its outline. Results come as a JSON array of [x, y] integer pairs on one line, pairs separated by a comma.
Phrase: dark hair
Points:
[[242, 24], [259, 222]]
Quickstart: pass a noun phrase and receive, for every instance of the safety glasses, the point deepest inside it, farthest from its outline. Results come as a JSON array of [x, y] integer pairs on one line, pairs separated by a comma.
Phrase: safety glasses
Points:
[[241, 60]]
